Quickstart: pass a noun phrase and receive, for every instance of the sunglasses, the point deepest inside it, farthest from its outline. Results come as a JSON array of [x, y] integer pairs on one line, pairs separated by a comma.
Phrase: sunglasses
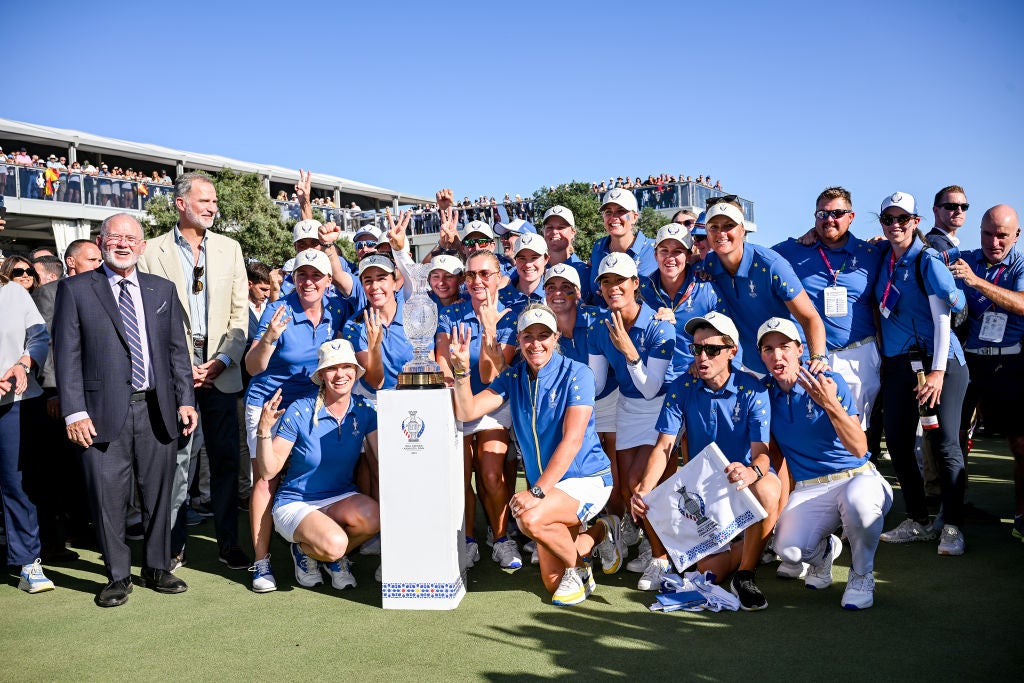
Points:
[[197, 284], [699, 238], [477, 241], [953, 206], [365, 244], [822, 214], [888, 219], [711, 201], [688, 224], [710, 350], [484, 275], [22, 272]]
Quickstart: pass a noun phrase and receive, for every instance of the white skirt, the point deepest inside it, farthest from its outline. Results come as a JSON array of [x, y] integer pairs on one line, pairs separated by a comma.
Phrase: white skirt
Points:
[[635, 421]]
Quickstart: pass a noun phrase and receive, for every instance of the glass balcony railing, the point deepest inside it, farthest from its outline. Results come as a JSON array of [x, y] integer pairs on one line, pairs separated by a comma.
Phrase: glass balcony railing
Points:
[[678, 195], [77, 187]]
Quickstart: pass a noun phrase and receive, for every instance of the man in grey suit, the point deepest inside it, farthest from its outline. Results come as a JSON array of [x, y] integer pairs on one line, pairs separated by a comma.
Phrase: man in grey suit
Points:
[[124, 381]]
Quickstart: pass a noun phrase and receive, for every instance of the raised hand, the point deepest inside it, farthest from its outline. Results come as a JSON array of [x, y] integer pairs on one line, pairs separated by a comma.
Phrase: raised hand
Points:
[[449, 237], [303, 187], [458, 352], [445, 198], [270, 414], [374, 329], [277, 325], [620, 335], [329, 233], [396, 230]]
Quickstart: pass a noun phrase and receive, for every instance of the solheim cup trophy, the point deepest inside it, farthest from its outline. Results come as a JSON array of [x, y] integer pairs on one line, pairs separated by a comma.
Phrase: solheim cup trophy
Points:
[[420, 320]]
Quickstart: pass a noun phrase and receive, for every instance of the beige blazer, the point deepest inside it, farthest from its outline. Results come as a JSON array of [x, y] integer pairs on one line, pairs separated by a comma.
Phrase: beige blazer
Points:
[[227, 291]]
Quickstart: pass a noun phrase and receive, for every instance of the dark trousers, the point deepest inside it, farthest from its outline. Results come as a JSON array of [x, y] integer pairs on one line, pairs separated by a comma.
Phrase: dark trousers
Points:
[[142, 449], [20, 521], [220, 431], [901, 419]]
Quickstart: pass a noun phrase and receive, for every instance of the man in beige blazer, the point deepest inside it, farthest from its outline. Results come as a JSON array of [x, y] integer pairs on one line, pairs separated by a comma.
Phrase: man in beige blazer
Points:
[[210, 279]]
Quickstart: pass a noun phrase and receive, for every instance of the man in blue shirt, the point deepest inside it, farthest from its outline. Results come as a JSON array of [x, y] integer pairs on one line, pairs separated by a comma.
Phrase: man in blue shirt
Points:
[[814, 422], [620, 214], [754, 282], [993, 278]]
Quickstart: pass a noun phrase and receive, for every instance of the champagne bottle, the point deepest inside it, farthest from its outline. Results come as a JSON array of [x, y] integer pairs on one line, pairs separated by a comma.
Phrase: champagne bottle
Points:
[[929, 414]]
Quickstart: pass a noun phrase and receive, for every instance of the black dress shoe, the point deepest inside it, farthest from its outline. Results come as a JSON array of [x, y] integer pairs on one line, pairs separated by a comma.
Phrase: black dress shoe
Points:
[[235, 558], [114, 593], [162, 581]]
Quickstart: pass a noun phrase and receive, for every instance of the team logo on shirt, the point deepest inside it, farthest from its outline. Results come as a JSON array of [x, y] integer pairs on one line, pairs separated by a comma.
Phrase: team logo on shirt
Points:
[[753, 289], [736, 414], [413, 427], [811, 413], [553, 399], [853, 263]]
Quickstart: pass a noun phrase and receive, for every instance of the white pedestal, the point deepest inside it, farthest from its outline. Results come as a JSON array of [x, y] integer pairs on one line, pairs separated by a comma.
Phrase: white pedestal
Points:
[[422, 517]]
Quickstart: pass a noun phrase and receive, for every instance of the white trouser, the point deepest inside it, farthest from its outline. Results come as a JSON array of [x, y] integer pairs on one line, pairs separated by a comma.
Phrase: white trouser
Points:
[[813, 512], [860, 368]]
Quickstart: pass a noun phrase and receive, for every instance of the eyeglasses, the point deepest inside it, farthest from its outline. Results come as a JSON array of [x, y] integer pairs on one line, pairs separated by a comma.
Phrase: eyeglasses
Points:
[[711, 201], [130, 240], [22, 272], [477, 241], [365, 244], [953, 206], [197, 284], [688, 224], [710, 350], [822, 214], [888, 219], [484, 275]]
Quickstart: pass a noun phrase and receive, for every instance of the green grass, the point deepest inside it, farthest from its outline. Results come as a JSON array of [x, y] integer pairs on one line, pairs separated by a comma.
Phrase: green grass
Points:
[[934, 618]]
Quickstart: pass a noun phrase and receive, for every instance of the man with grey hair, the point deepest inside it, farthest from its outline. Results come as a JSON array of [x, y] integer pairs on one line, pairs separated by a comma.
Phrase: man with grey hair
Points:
[[209, 276]]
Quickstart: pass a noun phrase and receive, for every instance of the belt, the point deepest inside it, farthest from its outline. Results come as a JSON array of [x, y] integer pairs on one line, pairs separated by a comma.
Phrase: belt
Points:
[[866, 468], [199, 341], [138, 396], [862, 342], [996, 350]]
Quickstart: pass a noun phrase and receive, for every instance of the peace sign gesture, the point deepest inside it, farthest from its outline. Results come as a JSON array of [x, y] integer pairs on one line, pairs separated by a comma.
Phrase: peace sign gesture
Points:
[[462, 335], [303, 187], [396, 231]]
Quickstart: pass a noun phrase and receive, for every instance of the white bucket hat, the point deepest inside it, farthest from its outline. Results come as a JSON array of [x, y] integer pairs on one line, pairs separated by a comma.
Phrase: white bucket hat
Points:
[[335, 352]]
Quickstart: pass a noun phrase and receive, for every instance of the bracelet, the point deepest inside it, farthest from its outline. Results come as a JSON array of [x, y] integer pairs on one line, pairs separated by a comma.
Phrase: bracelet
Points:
[[819, 356], [460, 375], [264, 436], [27, 368]]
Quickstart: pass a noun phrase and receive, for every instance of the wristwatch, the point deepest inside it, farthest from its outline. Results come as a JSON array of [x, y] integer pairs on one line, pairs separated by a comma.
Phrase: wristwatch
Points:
[[757, 470], [633, 363], [27, 368], [536, 492]]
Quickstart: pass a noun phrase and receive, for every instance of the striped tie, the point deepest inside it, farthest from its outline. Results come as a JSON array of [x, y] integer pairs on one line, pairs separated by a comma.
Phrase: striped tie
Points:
[[131, 328]]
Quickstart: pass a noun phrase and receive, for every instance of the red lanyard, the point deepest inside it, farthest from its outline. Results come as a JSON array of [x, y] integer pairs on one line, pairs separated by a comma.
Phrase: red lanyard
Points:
[[888, 285], [833, 273]]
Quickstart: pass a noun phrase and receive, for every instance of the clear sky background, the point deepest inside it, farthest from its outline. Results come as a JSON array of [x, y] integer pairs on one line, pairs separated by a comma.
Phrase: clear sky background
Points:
[[778, 100]]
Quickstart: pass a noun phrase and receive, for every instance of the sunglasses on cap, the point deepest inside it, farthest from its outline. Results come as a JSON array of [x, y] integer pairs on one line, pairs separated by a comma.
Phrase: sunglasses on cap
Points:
[[477, 241], [728, 198], [22, 272], [888, 219], [953, 206], [710, 350], [365, 244], [822, 214]]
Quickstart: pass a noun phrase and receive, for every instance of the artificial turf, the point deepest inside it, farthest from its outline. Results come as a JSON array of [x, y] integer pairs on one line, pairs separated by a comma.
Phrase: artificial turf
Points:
[[937, 618]]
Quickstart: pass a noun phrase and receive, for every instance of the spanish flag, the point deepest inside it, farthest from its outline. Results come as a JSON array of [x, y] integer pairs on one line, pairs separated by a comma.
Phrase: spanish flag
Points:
[[51, 176]]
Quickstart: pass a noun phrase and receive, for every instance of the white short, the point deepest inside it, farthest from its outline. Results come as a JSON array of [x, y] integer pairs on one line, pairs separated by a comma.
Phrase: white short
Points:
[[500, 418], [288, 515], [591, 492], [860, 368], [605, 411], [635, 420]]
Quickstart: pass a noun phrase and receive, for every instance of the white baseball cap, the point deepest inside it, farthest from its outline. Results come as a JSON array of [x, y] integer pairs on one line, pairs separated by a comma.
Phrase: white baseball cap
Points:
[[624, 198], [447, 263], [724, 209], [367, 230], [377, 261], [335, 352], [674, 231], [900, 200], [620, 264], [312, 257], [720, 321], [475, 226], [537, 316], [289, 265], [533, 242], [307, 229], [564, 271], [783, 326], [559, 211]]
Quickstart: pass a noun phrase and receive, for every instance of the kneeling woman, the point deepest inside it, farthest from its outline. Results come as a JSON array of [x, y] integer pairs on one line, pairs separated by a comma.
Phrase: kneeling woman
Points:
[[552, 404], [318, 508]]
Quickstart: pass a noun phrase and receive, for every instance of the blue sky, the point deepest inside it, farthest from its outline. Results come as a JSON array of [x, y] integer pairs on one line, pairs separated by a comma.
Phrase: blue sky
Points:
[[779, 100]]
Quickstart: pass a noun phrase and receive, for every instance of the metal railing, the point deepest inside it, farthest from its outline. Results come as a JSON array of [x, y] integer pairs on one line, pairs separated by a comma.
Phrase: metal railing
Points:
[[677, 195], [78, 187]]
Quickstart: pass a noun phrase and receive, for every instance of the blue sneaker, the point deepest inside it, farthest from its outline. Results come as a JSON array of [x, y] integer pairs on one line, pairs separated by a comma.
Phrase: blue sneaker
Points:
[[307, 570], [341, 573], [33, 580], [263, 580]]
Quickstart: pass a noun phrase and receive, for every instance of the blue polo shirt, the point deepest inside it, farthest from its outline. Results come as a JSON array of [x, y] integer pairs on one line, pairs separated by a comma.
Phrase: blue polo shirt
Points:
[[513, 299], [324, 457], [395, 348], [694, 299], [805, 433], [763, 284], [507, 265], [462, 313], [1008, 274], [538, 410], [652, 339], [583, 269], [294, 358], [641, 251], [855, 266], [732, 417], [910, 321], [578, 348]]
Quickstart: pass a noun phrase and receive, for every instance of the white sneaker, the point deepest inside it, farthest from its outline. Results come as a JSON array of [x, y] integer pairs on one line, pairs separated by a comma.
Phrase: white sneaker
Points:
[[586, 573], [506, 553], [341, 573], [371, 547], [629, 532], [639, 563], [819, 576], [952, 541], [908, 531], [263, 580], [860, 591], [307, 570], [608, 549], [651, 579], [792, 570], [472, 553], [571, 590], [33, 580]]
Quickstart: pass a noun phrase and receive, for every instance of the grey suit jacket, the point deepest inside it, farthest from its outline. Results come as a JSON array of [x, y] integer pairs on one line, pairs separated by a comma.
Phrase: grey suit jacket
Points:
[[44, 297], [92, 360]]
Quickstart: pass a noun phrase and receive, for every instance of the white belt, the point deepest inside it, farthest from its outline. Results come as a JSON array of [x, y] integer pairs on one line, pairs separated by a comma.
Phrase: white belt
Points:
[[996, 350], [862, 342], [866, 468]]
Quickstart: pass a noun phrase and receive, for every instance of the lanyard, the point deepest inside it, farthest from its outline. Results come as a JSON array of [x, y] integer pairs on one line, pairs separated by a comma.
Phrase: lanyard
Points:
[[833, 273], [888, 285], [995, 281]]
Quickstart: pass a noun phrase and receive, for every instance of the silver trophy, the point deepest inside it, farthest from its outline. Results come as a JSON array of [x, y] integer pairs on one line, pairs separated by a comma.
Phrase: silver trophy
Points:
[[420, 321]]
